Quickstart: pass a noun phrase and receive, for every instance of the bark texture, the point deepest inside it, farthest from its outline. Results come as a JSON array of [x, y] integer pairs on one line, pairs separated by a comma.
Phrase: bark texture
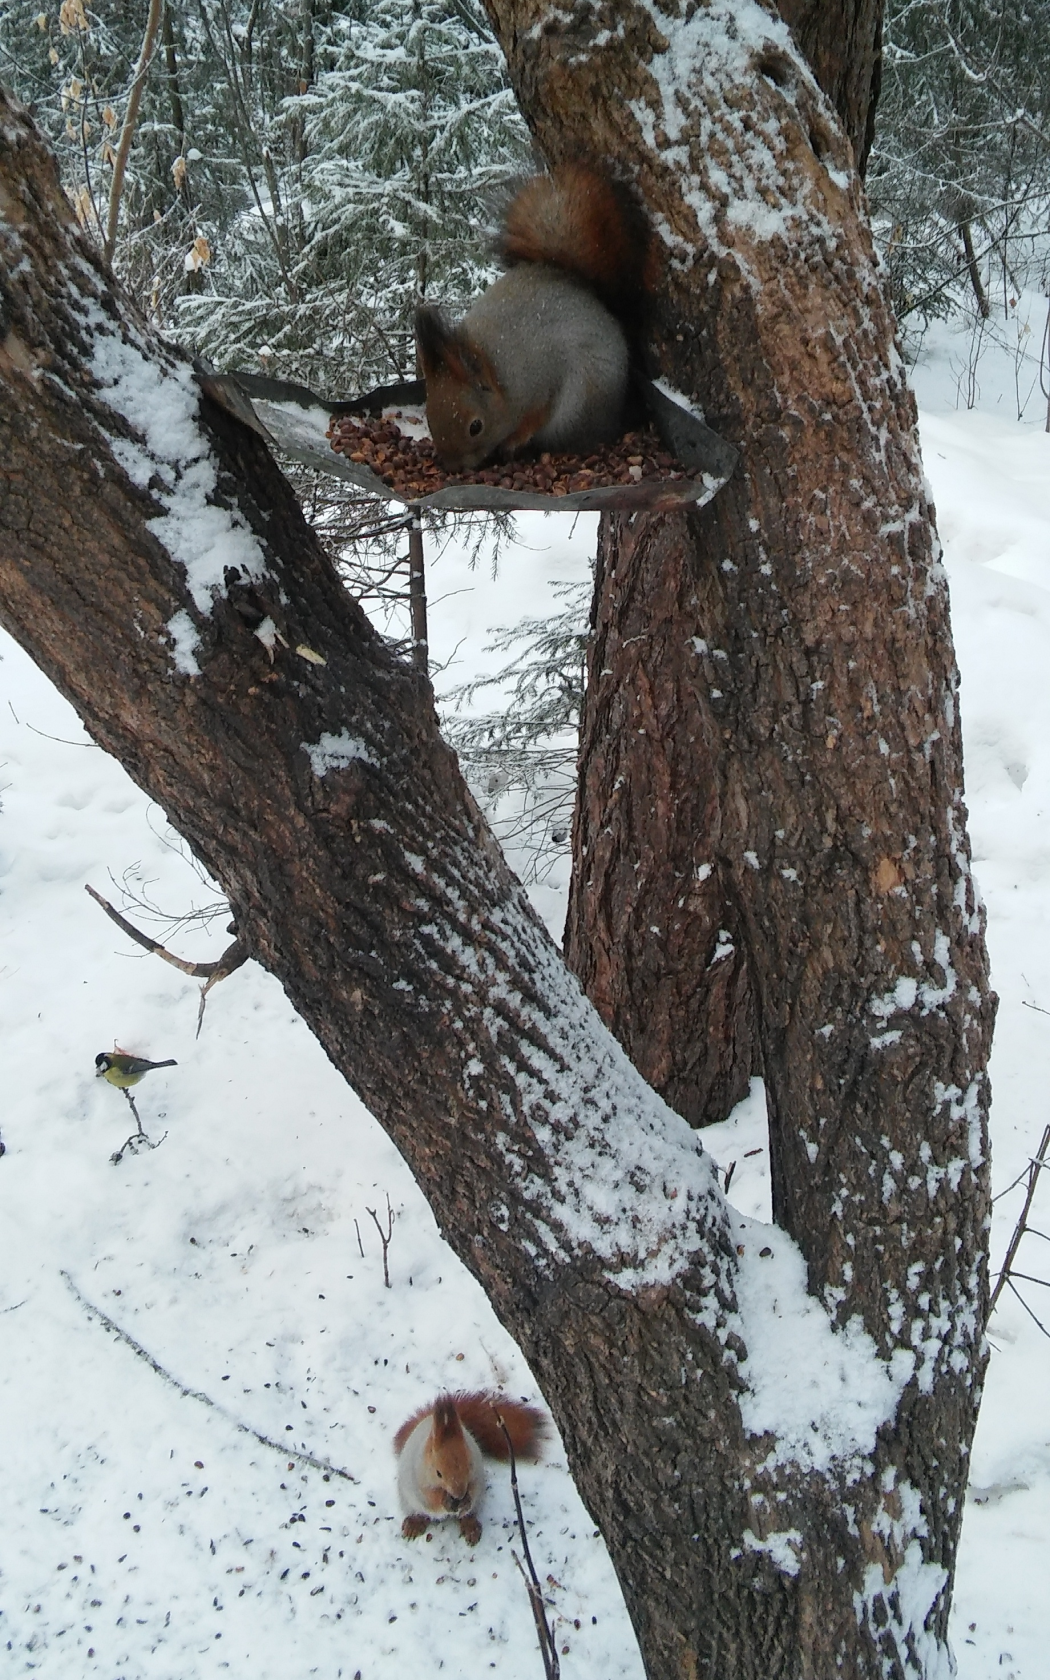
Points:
[[791, 644], [154, 563], [842, 42], [653, 931]]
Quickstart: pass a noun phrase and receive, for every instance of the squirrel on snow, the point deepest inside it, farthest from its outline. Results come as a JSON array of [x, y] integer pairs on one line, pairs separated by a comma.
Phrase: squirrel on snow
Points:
[[542, 358], [440, 1473]]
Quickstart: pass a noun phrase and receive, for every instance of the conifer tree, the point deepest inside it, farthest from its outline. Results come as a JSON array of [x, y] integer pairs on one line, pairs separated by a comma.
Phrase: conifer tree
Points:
[[959, 178], [394, 156], [298, 178]]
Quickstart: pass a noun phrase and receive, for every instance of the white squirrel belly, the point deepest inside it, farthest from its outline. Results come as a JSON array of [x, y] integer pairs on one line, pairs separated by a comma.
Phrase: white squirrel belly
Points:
[[410, 1487]]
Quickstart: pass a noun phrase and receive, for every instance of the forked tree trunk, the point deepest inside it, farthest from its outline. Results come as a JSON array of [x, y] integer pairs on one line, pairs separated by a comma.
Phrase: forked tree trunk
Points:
[[156, 566], [771, 739]]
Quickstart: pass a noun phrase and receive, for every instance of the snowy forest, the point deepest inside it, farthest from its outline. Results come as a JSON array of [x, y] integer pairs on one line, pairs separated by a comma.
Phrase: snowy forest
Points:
[[677, 1111]]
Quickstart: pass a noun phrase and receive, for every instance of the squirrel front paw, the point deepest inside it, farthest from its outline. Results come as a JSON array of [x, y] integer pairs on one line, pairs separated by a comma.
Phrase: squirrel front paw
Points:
[[413, 1527], [470, 1529]]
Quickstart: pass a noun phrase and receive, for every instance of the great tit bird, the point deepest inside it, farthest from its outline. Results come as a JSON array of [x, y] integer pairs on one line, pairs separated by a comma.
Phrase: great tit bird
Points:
[[122, 1070]]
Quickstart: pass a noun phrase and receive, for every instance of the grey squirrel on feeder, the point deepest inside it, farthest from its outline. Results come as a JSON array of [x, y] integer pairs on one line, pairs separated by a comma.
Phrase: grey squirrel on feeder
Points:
[[542, 359], [440, 1450]]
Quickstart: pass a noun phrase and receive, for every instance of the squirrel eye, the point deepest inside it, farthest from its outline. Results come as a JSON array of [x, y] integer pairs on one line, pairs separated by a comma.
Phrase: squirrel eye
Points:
[[475, 427]]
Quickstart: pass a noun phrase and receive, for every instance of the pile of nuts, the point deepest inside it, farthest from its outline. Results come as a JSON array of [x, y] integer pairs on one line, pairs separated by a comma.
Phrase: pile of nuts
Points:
[[411, 469]]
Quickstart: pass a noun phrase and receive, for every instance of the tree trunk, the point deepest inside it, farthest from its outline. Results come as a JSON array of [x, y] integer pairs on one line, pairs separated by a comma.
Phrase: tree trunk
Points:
[[781, 661], [842, 42], [803, 615], [155, 564], [653, 931]]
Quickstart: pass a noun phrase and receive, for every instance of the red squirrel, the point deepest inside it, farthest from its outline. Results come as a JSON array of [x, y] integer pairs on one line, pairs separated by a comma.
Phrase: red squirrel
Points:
[[542, 359], [440, 1473]]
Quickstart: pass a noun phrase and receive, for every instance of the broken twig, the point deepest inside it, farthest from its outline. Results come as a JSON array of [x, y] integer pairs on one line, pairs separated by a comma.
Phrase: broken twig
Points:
[[1035, 1167], [211, 972], [544, 1631]]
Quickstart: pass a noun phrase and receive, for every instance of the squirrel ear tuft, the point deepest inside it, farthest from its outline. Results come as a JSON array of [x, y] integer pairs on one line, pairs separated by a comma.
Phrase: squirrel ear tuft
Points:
[[441, 345], [434, 337], [445, 350], [447, 1426]]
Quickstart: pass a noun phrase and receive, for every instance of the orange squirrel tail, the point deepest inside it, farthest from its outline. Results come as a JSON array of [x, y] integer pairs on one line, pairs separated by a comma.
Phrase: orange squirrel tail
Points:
[[581, 220], [480, 1412]]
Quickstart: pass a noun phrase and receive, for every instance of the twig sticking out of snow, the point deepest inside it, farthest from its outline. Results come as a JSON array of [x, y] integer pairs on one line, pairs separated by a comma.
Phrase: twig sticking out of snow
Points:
[[280, 1447], [137, 1139], [1035, 1167], [544, 1631], [384, 1237]]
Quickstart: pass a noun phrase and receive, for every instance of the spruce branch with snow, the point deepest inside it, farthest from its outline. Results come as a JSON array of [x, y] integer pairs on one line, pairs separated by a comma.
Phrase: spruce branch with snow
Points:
[[959, 177]]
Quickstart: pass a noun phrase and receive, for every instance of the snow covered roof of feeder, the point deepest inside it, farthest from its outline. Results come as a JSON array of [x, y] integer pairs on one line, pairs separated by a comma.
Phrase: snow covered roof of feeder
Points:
[[697, 462]]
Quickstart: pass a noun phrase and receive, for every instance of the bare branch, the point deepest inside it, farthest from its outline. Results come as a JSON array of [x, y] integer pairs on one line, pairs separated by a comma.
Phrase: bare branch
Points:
[[187, 1393], [131, 117], [1035, 1167], [231, 959]]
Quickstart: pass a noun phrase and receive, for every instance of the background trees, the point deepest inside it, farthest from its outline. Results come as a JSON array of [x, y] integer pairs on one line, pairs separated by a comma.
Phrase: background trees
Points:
[[299, 178], [960, 173]]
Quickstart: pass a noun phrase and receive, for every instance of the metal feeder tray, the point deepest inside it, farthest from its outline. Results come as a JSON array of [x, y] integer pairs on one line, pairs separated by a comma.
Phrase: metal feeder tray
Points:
[[295, 421]]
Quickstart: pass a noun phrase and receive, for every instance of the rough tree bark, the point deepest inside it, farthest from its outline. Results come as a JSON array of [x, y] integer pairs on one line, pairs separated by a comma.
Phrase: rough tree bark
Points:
[[819, 697], [842, 41], [156, 566], [652, 931]]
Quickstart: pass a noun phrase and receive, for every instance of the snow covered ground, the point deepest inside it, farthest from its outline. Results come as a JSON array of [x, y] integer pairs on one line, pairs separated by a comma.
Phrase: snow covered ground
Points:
[[175, 1520]]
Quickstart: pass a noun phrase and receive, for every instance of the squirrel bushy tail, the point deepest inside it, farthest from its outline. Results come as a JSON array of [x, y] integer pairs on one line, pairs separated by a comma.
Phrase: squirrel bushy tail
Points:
[[589, 225], [480, 1412]]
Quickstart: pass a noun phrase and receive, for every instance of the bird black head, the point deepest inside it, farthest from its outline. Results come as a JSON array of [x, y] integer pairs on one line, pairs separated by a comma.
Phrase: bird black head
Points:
[[102, 1062]]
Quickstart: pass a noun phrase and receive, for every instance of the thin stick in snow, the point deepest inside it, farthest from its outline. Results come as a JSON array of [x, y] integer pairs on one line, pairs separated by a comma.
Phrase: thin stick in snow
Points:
[[1036, 1165], [280, 1447], [137, 1137], [544, 1631], [384, 1239]]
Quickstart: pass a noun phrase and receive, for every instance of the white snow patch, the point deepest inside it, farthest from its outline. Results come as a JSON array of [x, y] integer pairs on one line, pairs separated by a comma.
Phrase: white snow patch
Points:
[[902, 996], [161, 403], [186, 640], [916, 1585], [783, 1547], [820, 1393], [335, 752]]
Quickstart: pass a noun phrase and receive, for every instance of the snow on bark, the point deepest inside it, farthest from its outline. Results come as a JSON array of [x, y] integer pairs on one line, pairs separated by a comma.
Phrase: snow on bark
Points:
[[163, 449], [335, 752], [767, 174], [588, 1209], [154, 435]]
